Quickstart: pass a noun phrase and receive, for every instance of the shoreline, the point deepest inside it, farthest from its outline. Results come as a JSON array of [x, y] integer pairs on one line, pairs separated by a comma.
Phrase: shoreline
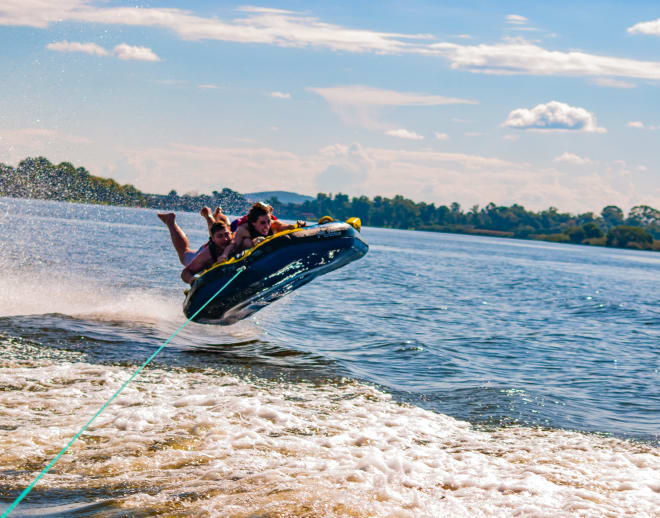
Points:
[[458, 229]]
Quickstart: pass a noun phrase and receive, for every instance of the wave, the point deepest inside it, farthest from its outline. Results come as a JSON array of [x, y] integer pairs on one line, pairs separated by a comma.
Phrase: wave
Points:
[[212, 444], [30, 291]]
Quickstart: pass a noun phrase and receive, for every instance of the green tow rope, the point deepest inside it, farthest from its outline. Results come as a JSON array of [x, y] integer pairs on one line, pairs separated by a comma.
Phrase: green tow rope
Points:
[[52, 462]]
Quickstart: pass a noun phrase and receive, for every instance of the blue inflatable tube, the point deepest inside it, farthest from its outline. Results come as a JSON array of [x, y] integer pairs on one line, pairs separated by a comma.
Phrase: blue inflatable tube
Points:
[[273, 268]]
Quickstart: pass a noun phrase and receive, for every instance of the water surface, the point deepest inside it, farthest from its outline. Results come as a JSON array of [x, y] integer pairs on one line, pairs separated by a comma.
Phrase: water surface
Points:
[[439, 375]]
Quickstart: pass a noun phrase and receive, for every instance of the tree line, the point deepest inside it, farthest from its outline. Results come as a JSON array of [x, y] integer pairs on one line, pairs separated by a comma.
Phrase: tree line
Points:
[[39, 178], [640, 228]]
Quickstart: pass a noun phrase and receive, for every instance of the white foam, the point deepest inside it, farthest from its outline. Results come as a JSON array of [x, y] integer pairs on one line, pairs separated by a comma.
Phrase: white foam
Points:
[[39, 292], [217, 445]]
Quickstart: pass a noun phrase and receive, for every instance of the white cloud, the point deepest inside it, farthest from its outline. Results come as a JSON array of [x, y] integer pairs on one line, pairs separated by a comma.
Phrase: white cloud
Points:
[[405, 134], [30, 134], [652, 28], [441, 136], [125, 51], [291, 29], [368, 96], [56, 145], [641, 125], [361, 105], [280, 95], [609, 82], [422, 175], [474, 134], [259, 25], [518, 56], [510, 138], [572, 158], [159, 169], [74, 46], [36, 13], [516, 19], [122, 51], [553, 116]]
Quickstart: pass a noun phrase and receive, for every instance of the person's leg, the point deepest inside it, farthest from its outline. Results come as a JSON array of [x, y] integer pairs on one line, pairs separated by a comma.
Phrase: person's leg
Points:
[[218, 215], [179, 239], [206, 214]]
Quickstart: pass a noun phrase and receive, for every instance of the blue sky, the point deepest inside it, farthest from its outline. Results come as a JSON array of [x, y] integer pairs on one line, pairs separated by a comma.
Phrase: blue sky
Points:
[[537, 103]]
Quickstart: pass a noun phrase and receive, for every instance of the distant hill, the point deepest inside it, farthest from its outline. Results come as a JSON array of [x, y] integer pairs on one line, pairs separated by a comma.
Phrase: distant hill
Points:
[[282, 196]]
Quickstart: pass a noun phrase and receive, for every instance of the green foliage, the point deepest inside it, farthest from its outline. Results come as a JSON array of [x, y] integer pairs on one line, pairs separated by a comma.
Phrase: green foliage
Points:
[[612, 216], [576, 234], [514, 221], [39, 178], [647, 217], [592, 230], [643, 216], [626, 236]]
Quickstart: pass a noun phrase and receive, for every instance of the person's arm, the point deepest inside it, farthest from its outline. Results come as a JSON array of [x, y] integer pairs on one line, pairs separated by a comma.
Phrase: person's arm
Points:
[[233, 245], [278, 226], [229, 249], [202, 261], [187, 276]]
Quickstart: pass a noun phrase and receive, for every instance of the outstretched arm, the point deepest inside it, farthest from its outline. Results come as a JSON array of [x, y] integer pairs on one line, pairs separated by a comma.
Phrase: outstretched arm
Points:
[[278, 226], [241, 241], [202, 261], [229, 249]]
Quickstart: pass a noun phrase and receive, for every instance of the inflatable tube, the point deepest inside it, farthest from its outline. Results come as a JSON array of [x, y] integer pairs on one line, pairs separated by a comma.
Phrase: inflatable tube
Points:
[[276, 266]]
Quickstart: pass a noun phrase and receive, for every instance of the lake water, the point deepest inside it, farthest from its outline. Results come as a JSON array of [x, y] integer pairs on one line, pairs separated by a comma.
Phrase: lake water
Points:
[[440, 375]]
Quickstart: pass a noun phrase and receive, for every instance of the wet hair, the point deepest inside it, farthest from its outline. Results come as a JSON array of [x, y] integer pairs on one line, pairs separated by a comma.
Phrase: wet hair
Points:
[[257, 210], [219, 225]]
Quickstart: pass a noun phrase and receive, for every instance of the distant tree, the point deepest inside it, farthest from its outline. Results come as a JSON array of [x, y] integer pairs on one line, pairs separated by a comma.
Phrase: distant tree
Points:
[[427, 213], [625, 236], [442, 214], [39, 178], [524, 232], [612, 215], [587, 217], [576, 234], [592, 229], [643, 216]]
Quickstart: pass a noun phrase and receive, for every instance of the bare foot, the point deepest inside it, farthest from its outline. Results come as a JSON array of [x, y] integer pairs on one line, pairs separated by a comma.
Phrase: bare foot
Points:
[[167, 217], [219, 216], [206, 213]]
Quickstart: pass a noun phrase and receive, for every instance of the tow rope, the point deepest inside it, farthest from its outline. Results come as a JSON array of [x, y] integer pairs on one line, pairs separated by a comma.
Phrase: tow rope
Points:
[[27, 490]]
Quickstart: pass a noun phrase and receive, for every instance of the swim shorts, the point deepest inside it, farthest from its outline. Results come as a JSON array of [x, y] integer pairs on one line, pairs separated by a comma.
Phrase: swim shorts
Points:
[[189, 256]]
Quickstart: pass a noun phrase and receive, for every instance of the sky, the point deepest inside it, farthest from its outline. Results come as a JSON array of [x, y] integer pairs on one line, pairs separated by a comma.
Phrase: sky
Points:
[[544, 104]]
